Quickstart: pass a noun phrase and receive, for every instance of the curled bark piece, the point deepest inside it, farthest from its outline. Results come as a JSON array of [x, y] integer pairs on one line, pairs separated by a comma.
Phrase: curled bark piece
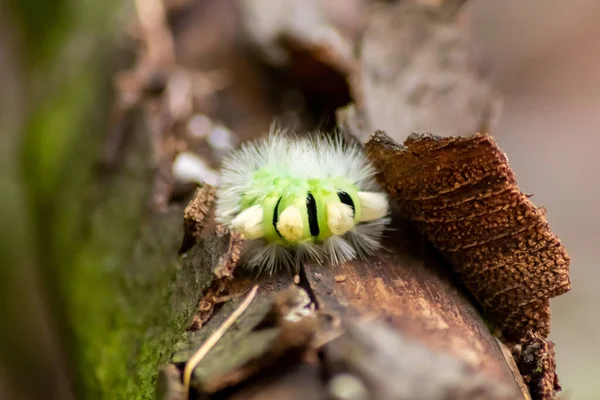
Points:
[[517, 321], [463, 195], [218, 256], [196, 215]]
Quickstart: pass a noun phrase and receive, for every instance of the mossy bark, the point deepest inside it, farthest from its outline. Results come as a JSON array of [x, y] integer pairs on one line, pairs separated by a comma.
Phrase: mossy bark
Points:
[[92, 287]]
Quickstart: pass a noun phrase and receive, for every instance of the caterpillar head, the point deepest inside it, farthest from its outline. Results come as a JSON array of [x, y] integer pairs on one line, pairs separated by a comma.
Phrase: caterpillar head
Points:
[[309, 211]]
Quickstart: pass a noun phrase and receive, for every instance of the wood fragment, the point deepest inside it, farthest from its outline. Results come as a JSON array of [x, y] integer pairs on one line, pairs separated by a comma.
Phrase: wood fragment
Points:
[[219, 254], [277, 327], [393, 367], [407, 287], [168, 384], [214, 338], [536, 360], [417, 73], [462, 194]]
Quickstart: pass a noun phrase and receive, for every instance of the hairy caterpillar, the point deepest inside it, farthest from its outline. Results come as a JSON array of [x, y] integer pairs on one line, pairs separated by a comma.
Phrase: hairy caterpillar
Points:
[[301, 198]]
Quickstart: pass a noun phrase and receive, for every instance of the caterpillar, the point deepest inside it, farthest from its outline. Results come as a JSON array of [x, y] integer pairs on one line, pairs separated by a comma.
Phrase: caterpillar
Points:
[[296, 199]]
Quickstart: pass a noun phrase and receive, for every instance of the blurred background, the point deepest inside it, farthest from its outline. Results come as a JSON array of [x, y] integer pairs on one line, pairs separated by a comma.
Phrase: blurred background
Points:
[[55, 62], [544, 56]]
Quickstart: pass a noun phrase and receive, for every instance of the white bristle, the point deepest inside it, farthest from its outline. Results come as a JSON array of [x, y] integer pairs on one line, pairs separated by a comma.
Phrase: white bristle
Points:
[[339, 250]]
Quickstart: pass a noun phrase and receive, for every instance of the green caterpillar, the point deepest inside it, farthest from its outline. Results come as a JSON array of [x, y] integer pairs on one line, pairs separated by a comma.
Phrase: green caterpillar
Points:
[[299, 199]]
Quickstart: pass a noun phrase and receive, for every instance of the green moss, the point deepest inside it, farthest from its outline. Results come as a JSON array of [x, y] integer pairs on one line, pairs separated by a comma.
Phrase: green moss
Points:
[[128, 299], [111, 276], [43, 25]]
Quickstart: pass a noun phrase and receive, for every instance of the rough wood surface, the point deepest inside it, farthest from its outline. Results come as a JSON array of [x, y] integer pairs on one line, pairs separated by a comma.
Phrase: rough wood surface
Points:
[[417, 72], [462, 194], [392, 366], [296, 327], [408, 286], [464, 197]]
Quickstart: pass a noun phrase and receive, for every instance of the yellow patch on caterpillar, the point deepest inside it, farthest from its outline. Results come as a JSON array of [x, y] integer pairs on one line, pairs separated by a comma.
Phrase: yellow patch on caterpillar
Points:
[[339, 218], [373, 205], [250, 222], [290, 224]]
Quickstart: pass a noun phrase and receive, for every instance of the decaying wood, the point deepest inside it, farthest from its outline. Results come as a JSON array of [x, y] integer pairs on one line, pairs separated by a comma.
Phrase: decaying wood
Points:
[[537, 362], [464, 197], [409, 65], [218, 255], [294, 333], [394, 367], [417, 73], [196, 214], [411, 289]]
